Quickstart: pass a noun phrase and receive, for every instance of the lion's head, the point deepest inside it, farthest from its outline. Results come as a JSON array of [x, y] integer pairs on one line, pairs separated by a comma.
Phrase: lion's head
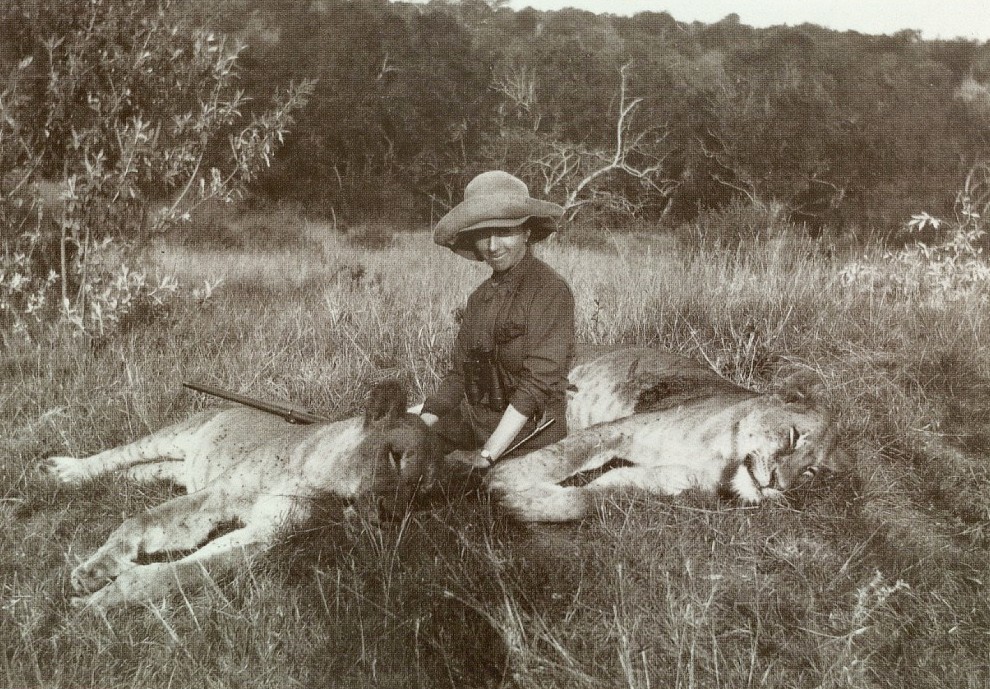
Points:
[[785, 446], [405, 453]]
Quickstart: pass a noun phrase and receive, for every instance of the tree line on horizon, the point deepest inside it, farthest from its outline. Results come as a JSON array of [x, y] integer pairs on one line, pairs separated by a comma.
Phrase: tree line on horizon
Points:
[[622, 119]]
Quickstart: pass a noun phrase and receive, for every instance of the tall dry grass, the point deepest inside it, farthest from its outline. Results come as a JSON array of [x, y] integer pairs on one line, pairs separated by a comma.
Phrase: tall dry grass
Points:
[[875, 578]]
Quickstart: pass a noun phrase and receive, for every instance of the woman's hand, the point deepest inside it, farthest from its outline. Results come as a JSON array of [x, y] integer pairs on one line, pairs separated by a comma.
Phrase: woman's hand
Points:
[[469, 459]]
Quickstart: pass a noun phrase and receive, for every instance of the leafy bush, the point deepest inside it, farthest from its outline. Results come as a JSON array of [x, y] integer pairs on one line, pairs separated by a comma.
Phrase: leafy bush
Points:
[[120, 141], [25, 289], [948, 267]]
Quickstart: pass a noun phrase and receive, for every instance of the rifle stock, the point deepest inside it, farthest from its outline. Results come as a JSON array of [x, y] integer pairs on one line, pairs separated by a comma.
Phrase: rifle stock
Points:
[[289, 412]]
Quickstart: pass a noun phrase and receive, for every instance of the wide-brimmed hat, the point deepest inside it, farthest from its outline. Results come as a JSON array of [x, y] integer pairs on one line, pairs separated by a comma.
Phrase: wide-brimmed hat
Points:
[[495, 199]]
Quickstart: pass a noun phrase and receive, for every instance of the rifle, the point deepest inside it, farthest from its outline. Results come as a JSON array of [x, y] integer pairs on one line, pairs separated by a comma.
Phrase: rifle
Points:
[[539, 429], [287, 411]]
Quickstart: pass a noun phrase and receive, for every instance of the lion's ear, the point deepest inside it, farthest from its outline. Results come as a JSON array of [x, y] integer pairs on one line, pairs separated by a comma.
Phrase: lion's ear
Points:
[[802, 385], [838, 460], [386, 400]]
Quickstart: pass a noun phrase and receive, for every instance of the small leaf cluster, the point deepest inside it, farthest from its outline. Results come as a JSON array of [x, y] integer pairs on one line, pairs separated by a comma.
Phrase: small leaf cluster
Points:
[[949, 267]]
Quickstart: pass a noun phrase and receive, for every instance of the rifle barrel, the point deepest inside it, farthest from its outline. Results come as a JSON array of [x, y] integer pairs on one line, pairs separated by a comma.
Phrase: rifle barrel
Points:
[[539, 429], [289, 412]]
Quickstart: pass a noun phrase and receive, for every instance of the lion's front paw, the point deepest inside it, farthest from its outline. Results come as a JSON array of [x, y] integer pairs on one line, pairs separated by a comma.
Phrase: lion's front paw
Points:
[[71, 470], [92, 576], [140, 584], [551, 503], [106, 597]]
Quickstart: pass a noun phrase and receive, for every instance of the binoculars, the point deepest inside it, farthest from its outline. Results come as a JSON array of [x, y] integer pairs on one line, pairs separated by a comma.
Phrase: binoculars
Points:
[[484, 380]]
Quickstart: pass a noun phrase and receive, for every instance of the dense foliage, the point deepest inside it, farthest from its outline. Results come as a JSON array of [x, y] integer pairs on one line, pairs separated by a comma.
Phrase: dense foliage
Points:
[[841, 128]]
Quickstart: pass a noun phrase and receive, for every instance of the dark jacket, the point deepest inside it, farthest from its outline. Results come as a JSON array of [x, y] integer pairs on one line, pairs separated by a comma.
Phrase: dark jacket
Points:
[[527, 314]]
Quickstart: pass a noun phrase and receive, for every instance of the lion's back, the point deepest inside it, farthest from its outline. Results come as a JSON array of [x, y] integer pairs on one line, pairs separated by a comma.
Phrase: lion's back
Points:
[[243, 442], [613, 382]]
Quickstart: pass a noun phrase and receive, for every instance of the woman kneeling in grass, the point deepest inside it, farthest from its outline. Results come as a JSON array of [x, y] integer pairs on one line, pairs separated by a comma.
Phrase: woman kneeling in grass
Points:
[[509, 370]]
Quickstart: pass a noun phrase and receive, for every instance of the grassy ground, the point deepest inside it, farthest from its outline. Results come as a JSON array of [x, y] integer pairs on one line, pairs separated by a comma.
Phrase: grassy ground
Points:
[[875, 578]]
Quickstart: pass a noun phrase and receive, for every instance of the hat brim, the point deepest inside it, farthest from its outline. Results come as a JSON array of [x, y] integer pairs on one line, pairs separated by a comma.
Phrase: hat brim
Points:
[[481, 212]]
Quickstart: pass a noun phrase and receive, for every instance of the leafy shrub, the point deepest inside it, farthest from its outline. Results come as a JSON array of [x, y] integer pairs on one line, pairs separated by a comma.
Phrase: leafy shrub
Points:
[[109, 293], [26, 290], [948, 267], [133, 102]]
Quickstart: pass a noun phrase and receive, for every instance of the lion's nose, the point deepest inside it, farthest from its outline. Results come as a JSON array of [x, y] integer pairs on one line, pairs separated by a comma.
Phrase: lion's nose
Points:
[[428, 481]]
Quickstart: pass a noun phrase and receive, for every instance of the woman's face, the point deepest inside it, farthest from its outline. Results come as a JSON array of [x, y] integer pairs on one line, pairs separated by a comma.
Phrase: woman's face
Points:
[[501, 247]]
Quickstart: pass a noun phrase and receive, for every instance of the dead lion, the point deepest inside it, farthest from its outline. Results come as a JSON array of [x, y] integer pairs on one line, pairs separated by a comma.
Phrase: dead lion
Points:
[[251, 469], [674, 424]]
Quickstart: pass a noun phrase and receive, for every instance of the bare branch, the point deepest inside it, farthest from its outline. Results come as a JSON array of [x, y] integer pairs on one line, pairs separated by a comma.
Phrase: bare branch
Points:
[[517, 84], [627, 143]]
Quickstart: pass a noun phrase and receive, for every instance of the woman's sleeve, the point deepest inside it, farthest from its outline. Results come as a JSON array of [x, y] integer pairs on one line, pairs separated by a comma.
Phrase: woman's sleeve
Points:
[[550, 329]]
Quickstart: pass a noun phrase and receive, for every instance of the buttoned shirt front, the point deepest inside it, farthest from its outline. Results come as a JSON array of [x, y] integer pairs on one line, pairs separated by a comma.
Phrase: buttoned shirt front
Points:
[[526, 315]]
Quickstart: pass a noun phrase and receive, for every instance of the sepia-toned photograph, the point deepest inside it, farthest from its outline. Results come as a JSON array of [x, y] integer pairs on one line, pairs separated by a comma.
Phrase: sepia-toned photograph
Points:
[[494, 344]]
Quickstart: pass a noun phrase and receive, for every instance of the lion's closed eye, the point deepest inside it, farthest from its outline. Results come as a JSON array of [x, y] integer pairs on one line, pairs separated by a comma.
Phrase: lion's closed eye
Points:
[[395, 458]]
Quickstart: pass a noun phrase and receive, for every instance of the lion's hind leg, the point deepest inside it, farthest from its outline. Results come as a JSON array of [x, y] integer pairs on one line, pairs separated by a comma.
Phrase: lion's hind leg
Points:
[[170, 443], [156, 580]]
